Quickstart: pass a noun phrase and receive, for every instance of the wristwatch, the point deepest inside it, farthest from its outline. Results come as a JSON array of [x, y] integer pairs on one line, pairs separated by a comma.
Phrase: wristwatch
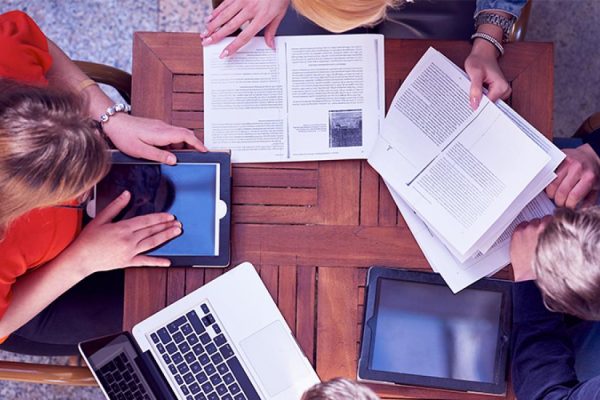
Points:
[[495, 19]]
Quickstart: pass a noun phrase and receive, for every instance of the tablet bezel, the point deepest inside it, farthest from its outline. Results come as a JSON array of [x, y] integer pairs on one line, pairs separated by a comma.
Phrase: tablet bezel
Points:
[[223, 258], [370, 322]]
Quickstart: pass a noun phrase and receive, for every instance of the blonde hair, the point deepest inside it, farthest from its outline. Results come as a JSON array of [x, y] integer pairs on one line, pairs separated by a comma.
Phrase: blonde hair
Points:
[[50, 151], [567, 263], [340, 16], [339, 389]]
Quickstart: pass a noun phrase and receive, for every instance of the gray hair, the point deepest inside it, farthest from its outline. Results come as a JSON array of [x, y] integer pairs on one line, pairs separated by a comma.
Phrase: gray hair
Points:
[[339, 389]]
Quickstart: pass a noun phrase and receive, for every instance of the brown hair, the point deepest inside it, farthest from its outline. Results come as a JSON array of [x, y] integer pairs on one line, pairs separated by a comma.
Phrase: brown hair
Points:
[[339, 389], [50, 151], [567, 263], [341, 16]]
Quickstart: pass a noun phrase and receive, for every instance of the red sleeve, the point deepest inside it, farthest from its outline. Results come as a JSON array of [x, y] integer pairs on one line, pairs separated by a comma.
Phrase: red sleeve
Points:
[[24, 52]]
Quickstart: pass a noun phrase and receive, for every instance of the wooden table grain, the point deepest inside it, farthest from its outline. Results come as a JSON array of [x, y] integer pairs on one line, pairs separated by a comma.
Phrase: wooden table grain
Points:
[[311, 229]]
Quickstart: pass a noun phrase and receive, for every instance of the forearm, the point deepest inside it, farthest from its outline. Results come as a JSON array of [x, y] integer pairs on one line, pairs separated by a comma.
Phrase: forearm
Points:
[[66, 74], [37, 289]]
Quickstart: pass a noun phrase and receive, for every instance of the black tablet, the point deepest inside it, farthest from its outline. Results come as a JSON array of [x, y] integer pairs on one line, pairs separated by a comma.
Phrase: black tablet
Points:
[[197, 191], [417, 332]]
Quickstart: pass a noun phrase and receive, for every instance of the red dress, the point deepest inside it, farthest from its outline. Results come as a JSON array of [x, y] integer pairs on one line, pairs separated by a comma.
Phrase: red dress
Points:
[[40, 235]]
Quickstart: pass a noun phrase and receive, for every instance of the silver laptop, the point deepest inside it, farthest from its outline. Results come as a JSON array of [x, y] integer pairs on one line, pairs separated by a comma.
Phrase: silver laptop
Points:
[[224, 341]]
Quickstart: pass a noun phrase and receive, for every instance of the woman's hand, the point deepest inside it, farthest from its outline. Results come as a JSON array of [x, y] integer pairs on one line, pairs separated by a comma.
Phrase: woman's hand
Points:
[[482, 67], [232, 14], [105, 245], [141, 137]]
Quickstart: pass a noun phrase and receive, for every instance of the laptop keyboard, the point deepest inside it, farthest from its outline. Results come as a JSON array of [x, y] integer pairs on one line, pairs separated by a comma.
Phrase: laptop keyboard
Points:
[[121, 382], [201, 360]]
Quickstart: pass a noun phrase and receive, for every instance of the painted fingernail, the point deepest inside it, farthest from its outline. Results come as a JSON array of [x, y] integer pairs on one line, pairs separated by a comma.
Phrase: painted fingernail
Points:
[[206, 41], [171, 159], [224, 54], [204, 33], [474, 104]]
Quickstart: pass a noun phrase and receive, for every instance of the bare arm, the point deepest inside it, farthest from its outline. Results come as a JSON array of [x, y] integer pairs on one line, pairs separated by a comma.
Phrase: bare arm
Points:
[[138, 137], [126, 239]]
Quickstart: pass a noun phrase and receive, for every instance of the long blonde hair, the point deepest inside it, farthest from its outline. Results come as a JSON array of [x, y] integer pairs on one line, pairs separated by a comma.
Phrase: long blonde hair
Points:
[[50, 151], [340, 16]]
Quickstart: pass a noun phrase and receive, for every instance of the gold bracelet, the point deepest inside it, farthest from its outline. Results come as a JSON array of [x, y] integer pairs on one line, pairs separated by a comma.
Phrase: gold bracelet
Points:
[[85, 84]]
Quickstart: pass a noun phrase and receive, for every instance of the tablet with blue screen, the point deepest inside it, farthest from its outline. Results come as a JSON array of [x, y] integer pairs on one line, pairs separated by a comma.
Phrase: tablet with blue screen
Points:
[[417, 332], [197, 191]]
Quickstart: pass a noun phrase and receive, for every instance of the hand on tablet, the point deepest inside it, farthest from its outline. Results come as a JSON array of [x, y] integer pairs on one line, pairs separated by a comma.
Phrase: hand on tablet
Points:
[[142, 137], [105, 245]]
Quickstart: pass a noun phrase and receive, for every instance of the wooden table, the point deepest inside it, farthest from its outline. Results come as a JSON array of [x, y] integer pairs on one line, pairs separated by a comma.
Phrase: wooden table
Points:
[[311, 229]]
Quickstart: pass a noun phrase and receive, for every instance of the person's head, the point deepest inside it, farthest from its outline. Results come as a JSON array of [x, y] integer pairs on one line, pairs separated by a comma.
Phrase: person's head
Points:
[[339, 389], [50, 151], [567, 263], [341, 16]]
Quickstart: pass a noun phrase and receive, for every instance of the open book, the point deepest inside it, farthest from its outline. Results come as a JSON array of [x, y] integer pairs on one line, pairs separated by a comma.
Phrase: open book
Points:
[[313, 98], [464, 175]]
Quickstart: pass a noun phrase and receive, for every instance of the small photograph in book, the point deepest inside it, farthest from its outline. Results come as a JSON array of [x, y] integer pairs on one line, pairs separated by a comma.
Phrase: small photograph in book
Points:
[[345, 128]]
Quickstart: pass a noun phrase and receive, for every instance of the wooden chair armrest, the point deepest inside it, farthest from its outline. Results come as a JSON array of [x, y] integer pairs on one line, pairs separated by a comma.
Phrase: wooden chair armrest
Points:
[[591, 124], [519, 28], [44, 373], [108, 75]]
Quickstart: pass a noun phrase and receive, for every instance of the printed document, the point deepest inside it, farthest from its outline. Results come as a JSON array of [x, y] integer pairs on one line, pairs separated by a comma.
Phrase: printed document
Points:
[[313, 98]]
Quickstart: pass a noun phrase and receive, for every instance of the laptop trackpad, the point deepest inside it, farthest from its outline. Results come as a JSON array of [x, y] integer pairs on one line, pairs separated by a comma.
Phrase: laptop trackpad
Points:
[[275, 358]]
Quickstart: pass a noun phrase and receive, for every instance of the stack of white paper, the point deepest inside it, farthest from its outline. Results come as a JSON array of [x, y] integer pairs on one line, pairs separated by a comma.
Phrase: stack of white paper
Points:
[[462, 179]]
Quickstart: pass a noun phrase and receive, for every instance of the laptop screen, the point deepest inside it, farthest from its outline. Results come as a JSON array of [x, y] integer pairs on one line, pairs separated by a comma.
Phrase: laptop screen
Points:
[[114, 362], [423, 329]]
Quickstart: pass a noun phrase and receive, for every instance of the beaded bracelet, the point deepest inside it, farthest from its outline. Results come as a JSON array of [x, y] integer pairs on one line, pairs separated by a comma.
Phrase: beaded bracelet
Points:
[[490, 39], [110, 111]]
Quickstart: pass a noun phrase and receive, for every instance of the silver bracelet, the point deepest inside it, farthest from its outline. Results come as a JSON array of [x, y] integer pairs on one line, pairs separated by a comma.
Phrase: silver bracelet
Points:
[[110, 111], [489, 39], [505, 23]]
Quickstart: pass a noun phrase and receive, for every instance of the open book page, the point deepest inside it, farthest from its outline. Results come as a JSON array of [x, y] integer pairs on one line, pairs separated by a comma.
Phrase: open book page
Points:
[[459, 275], [544, 178], [313, 98], [245, 101], [462, 190], [336, 97]]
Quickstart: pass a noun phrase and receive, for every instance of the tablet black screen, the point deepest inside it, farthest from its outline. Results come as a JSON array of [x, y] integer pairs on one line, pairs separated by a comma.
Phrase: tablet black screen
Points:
[[188, 191], [423, 329]]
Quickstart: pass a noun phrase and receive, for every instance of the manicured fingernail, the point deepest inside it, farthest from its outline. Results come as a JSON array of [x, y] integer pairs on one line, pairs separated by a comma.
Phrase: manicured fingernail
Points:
[[204, 33], [171, 159], [206, 41], [224, 54], [474, 104]]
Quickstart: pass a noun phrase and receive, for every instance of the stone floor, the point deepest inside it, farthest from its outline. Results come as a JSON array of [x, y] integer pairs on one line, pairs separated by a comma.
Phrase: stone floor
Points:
[[101, 31]]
